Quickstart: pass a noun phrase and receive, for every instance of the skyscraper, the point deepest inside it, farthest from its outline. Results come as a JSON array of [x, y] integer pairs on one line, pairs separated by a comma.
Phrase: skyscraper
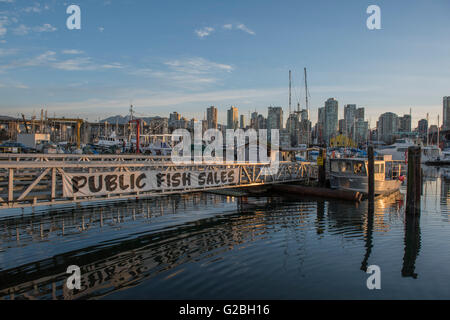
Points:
[[275, 118], [331, 119], [359, 114], [423, 128], [242, 122], [404, 123], [233, 118], [446, 113], [349, 119], [211, 117], [254, 121], [387, 127], [320, 125]]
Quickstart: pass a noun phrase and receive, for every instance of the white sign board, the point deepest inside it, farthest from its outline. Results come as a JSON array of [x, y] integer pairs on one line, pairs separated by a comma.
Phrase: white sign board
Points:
[[97, 184]]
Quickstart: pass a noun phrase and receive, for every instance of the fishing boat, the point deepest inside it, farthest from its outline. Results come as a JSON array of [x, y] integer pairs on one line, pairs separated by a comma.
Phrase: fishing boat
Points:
[[351, 174]]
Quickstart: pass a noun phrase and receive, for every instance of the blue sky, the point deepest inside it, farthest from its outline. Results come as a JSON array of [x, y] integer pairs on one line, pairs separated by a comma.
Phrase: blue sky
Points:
[[184, 56]]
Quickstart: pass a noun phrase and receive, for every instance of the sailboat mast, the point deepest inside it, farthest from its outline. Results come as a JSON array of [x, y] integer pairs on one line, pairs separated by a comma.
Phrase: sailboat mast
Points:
[[290, 91], [306, 93]]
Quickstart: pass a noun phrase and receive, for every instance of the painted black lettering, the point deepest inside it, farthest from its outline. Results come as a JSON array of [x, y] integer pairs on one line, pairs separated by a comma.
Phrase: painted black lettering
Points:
[[122, 184], [159, 179], [139, 180], [223, 176], [210, 179], [231, 177], [176, 179], [201, 178], [186, 179], [92, 187], [111, 182], [78, 183]]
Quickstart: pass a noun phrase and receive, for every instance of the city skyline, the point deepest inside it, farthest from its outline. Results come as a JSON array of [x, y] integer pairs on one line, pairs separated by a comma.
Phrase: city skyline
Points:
[[157, 60]]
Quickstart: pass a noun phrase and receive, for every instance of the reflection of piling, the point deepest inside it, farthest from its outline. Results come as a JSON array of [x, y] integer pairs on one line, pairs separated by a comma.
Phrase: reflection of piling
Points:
[[414, 181], [368, 236], [412, 245], [321, 164], [371, 178]]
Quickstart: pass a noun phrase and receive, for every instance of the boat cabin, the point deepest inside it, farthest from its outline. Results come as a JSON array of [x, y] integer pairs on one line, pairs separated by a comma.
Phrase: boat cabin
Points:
[[357, 167]]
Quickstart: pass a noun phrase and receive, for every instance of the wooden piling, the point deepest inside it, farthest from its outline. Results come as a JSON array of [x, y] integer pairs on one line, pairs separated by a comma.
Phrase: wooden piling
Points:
[[414, 181], [321, 161], [371, 176]]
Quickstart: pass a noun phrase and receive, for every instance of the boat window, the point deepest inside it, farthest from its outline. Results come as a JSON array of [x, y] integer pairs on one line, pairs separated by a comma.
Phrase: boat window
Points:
[[334, 166], [359, 168], [379, 168], [402, 149]]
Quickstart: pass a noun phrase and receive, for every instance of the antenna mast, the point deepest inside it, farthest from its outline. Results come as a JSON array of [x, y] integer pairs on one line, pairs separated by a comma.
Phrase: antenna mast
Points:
[[290, 91]]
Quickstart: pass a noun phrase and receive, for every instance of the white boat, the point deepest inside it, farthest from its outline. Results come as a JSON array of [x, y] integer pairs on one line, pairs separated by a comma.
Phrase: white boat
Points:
[[399, 151], [110, 141], [352, 175]]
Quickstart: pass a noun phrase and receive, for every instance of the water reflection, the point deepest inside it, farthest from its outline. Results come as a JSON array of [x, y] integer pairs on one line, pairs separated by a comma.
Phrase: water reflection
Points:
[[203, 243]]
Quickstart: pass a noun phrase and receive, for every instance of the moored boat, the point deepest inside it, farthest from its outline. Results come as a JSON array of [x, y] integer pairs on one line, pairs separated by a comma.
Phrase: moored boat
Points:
[[351, 174]]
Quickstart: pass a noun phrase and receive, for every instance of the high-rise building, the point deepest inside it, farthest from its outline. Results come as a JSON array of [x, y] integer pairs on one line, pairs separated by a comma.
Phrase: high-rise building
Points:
[[361, 131], [359, 114], [331, 119], [387, 127], [293, 127], [446, 113], [404, 123], [254, 121], [342, 129], [320, 128], [275, 118], [211, 117], [233, 118], [349, 119], [242, 122], [423, 128], [261, 122]]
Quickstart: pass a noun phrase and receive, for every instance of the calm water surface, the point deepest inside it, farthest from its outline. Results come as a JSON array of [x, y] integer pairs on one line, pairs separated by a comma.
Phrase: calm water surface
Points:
[[207, 246]]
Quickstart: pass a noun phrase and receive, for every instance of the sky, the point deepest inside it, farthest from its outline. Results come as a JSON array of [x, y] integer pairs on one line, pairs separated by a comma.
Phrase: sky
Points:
[[184, 56]]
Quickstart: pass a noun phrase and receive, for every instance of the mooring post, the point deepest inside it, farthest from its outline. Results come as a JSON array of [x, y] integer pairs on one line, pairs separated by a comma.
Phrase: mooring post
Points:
[[414, 181], [371, 180], [321, 160]]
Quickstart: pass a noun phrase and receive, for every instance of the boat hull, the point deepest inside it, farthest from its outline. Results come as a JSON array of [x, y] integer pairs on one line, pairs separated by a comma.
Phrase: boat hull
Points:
[[360, 184]]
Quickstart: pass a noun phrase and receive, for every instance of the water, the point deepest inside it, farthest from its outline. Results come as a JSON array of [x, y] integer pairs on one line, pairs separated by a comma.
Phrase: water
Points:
[[207, 246]]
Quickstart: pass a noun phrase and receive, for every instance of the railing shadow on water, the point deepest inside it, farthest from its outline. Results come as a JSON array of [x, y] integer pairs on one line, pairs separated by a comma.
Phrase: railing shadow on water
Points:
[[123, 261]]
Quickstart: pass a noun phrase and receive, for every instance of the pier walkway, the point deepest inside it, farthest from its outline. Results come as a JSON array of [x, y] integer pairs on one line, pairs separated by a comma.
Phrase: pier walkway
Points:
[[30, 180]]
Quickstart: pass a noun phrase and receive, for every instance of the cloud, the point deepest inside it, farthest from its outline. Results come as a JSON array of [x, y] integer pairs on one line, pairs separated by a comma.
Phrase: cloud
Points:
[[244, 28], [239, 26], [72, 51], [36, 8], [204, 32], [49, 59], [21, 30], [197, 66], [4, 21], [83, 64], [45, 28]]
